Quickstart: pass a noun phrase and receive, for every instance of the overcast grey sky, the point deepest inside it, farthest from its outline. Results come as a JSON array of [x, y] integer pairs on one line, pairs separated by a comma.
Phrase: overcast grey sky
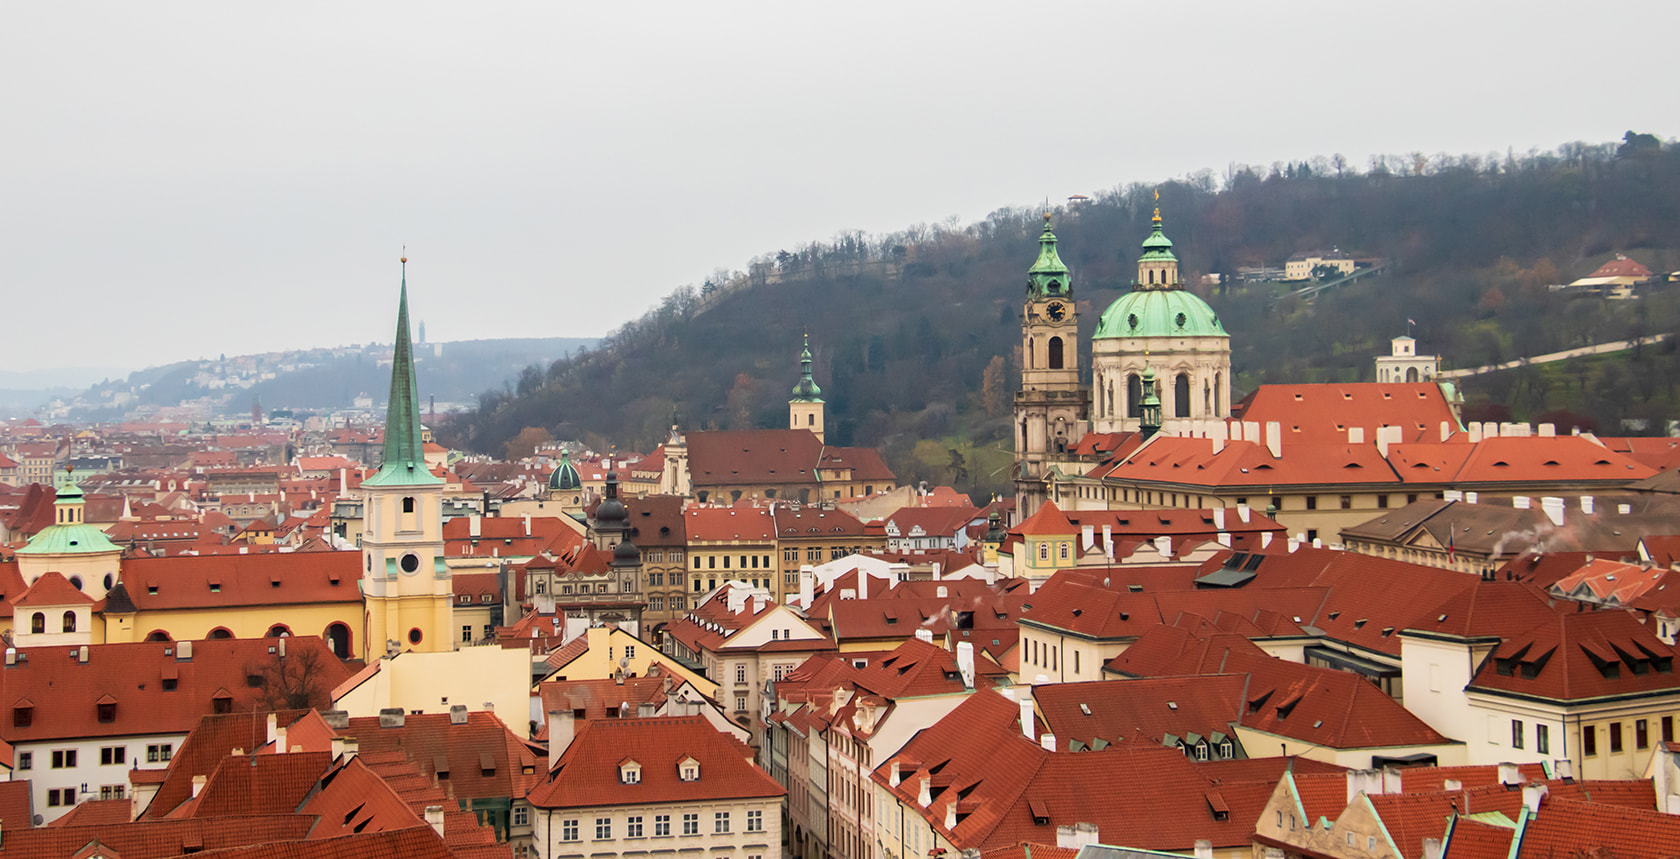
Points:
[[183, 179]]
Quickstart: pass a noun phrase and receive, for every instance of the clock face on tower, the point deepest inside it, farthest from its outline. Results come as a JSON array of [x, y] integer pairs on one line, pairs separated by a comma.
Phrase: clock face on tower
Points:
[[1056, 311]]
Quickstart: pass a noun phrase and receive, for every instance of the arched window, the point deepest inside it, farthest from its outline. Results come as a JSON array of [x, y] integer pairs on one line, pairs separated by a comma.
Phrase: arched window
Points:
[[278, 630], [1207, 399], [38, 623], [1030, 346], [1134, 394], [1055, 349], [69, 624], [1111, 398], [1218, 395], [1181, 396], [1411, 374], [158, 635], [338, 640], [219, 633]]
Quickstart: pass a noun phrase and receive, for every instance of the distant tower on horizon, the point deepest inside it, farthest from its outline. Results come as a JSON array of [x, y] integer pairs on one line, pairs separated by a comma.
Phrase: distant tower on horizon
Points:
[[422, 339]]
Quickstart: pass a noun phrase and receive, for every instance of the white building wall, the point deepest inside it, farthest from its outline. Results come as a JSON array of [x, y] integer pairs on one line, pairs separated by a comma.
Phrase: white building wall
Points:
[[549, 831], [88, 775]]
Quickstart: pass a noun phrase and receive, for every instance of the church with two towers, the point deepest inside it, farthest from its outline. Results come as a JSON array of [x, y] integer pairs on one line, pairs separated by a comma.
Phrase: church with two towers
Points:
[[1159, 353]]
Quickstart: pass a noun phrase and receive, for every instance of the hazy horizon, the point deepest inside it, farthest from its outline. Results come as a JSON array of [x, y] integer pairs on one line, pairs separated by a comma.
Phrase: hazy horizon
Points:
[[225, 179]]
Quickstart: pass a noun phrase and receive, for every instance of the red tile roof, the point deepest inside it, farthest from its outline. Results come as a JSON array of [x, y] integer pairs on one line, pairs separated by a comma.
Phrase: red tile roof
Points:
[[432, 739], [773, 457], [1574, 656], [52, 589], [62, 691], [1321, 413], [744, 522], [587, 774], [210, 581], [157, 839], [1115, 710]]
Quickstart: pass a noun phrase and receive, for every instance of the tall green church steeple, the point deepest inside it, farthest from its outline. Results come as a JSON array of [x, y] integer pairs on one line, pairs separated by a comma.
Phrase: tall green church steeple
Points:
[[405, 452], [1049, 275]]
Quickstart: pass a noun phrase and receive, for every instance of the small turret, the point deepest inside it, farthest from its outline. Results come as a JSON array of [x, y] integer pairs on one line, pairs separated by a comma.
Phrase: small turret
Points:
[[1149, 408], [805, 407]]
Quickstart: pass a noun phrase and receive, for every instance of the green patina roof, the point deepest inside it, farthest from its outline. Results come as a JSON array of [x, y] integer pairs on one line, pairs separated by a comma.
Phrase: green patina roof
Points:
[[1159, 313], [1157, 246], [1048, 275], [405, 452], [565, 475], [69, 540], [806, 391]]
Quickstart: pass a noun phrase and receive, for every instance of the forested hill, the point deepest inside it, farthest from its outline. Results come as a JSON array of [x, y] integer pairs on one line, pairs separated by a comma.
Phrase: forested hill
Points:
[[916, 336]]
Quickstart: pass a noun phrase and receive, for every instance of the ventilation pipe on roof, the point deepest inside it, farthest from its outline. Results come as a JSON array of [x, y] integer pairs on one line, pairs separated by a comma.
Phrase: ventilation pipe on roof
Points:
[[562, 728], [1274, 438], [965, 663]]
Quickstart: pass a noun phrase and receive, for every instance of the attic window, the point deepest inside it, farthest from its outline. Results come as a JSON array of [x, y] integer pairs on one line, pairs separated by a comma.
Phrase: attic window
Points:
[[1288, 707], [107, 711], [1040, 811], [1360, 624], [1387, 631]]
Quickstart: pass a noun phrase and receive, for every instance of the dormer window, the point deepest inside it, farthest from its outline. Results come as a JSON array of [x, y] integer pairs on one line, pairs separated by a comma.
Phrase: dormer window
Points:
[[688, 769], [107, 710], [630, 772]]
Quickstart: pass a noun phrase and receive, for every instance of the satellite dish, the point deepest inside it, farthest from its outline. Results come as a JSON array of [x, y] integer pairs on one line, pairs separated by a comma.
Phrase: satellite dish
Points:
[[624, 662], [39, 820]]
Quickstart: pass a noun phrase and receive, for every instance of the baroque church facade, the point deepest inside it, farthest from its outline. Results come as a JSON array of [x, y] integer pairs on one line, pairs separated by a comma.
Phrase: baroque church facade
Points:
[[1159, 353]]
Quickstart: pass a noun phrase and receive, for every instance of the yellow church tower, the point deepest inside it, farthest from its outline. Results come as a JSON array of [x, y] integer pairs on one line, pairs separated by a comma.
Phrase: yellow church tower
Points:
[[805, 408], [407, 591]]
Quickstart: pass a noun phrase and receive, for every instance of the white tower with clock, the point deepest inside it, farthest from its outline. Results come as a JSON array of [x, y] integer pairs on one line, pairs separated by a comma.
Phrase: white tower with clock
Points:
[[1052, 408]]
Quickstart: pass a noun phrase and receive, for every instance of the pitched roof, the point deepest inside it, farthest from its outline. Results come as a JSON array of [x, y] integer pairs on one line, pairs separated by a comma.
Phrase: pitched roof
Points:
[[1580, 655], [1322, 413], [587, 775], [52, 589], [223, 581], [482, 757], [63, 691]]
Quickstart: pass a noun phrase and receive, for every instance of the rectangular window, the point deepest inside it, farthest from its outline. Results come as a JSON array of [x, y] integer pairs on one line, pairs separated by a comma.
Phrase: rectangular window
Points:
[[1668, 729], [1382, 502], [790, 555], [1641, 735], [720, 823], [1589, 740], [629, 651], [755, 821], [113, 791], [466, 632], [1076, 662], [1347, 502], [568, 830], [521, 816], [64, 759], [740, 673], [691, 824], [740, 703], [1615, 737], [26, 760], [1516, 733], [633, 827], [113, 756], [603, 828], [661, 825], [1542, 739]]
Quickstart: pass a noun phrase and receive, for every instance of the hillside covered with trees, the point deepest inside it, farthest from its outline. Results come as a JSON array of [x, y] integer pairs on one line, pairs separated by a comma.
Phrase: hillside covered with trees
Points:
[[916, 335]]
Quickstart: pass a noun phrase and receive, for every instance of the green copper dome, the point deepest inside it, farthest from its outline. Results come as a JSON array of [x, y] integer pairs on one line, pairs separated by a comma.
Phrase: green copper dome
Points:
[[806, 391], [565, 476], [73, 537], [1159, 313], [1157, 246], [1048, 275]]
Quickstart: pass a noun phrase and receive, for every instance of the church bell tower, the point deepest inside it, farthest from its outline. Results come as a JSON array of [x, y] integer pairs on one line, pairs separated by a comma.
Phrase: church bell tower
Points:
[[1051, 408], [408, 594]]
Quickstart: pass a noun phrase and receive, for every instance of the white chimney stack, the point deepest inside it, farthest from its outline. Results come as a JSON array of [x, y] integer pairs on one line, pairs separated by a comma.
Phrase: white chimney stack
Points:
[[1047, 741], [1218, 518], [965, 663], [1553, 507], [1470, 497], [434, 818], [807, 586], [1265, 539], [1027, 726], [1274, 438], [1520, 502], [1243, 512], [1548, 430], [1587, 504], [924, 634], [1446, 430], [1356, 435]]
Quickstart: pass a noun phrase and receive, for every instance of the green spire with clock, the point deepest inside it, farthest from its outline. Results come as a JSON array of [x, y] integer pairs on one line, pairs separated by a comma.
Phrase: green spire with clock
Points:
[[1048, 277]]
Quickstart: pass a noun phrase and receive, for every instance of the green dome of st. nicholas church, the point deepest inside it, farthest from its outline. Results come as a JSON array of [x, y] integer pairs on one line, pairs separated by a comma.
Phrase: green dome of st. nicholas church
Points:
[[1159, 313]]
